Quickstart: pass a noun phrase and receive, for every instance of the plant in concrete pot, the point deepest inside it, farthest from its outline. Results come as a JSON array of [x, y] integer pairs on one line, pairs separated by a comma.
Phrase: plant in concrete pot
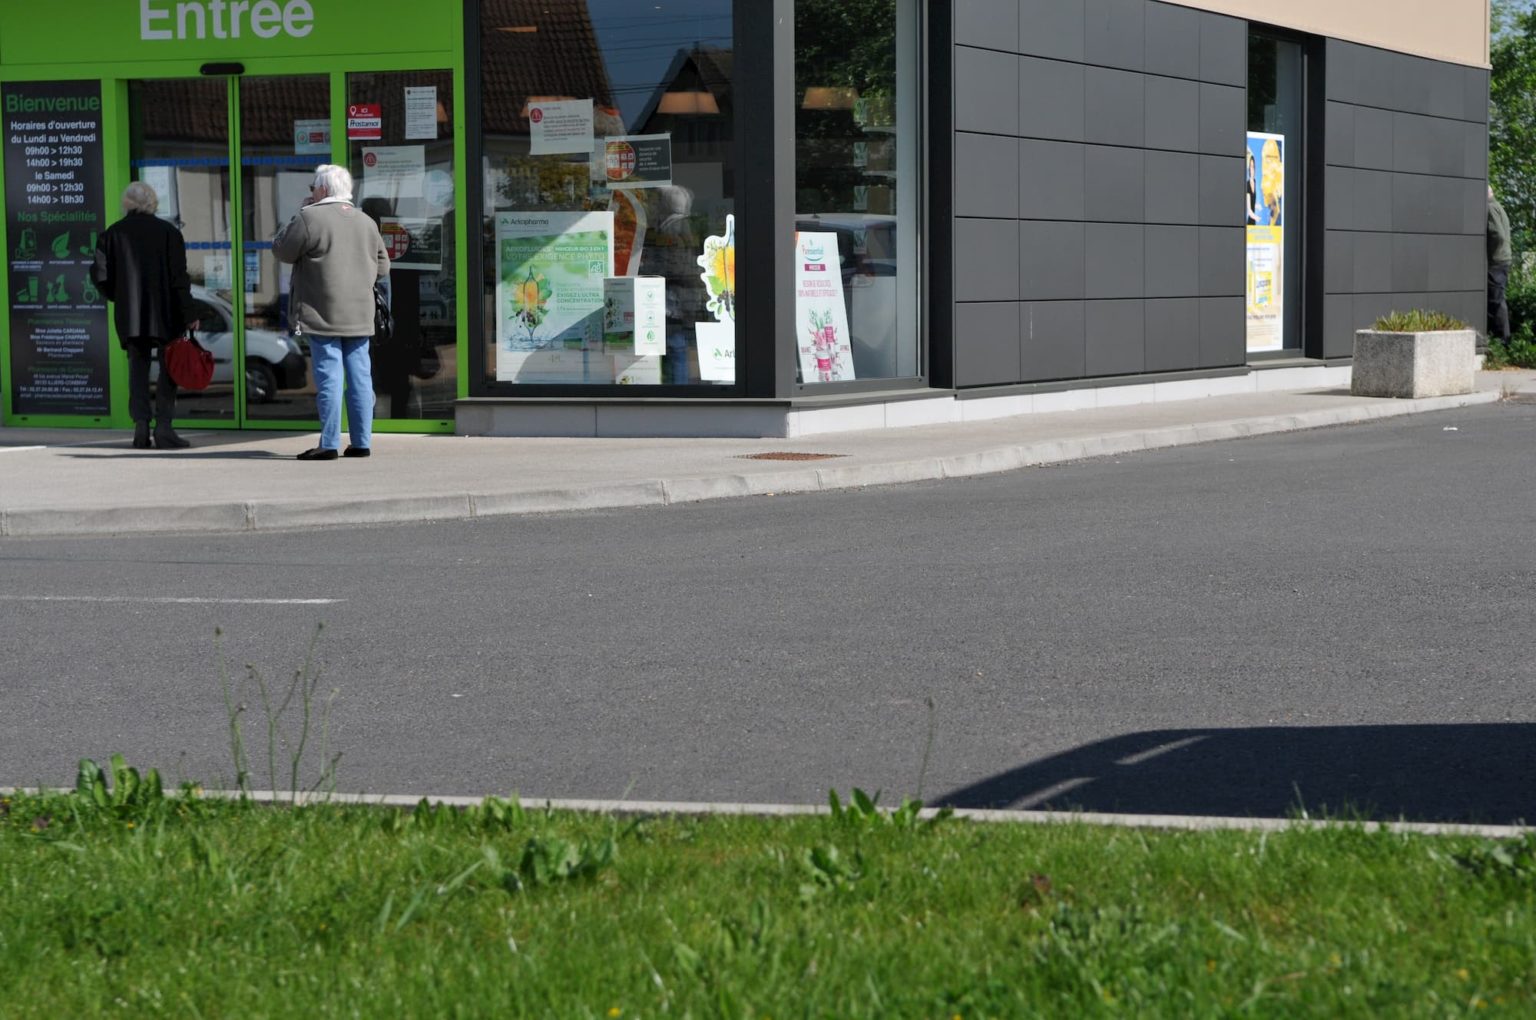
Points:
[[1414, 354]]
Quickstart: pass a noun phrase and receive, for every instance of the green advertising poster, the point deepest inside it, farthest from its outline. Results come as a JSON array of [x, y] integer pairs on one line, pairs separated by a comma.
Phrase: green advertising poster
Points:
[[550, 268]]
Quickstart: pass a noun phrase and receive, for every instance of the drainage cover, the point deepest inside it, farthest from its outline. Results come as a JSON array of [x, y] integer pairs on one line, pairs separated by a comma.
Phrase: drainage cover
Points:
[[784, 455]]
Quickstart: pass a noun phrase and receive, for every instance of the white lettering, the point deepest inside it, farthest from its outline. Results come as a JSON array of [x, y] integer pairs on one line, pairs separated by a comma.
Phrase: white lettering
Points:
[[148, 14], [236, 8], [298, 18], [182, 10], [266, 18]]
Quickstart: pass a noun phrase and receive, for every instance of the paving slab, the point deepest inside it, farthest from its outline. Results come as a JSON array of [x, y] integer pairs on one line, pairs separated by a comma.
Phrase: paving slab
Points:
[[76, 482]]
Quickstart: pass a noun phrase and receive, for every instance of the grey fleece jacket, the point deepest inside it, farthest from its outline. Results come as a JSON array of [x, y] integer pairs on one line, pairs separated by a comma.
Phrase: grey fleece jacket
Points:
[[337, 254]]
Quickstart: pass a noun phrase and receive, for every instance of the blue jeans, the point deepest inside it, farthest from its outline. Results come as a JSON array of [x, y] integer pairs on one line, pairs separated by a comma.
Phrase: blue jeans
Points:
[[333, 357]]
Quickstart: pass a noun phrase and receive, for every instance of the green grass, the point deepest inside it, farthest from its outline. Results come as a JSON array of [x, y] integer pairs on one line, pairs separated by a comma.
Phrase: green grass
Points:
[[164, 905]]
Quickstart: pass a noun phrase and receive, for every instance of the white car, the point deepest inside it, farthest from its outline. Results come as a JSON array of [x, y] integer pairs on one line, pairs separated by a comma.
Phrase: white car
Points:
[[273, 361]]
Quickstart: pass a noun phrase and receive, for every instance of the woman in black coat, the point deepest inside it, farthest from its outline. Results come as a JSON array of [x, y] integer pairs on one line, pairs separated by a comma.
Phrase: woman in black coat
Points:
[[141, 266]]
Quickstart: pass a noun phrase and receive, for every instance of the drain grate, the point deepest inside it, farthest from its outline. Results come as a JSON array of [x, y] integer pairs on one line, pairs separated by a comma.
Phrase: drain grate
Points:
[[786, 455]]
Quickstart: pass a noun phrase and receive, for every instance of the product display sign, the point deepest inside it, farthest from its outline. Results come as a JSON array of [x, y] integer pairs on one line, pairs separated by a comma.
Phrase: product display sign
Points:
[[53, 215], [635, 315], [821, 317], [550, 272], [1266, 241], [637, 161]]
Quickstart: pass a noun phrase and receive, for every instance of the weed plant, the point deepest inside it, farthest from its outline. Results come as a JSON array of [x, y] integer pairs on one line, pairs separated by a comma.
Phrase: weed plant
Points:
[[152, 903]]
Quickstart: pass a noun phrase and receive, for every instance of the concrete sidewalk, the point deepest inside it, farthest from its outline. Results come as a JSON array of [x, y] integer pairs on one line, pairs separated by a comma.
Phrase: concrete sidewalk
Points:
[[73, 482]]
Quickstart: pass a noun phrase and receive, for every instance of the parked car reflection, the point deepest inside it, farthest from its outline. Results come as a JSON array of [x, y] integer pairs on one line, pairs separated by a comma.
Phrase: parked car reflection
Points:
[[273, 361]]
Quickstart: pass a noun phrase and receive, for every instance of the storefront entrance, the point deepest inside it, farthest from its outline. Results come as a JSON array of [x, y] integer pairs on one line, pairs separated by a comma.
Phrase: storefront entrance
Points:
[[232, 159]]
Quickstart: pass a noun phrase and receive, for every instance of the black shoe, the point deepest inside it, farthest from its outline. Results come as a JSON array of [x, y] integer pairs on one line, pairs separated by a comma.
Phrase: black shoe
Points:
[[357, 451], [170, 441], [319, 453], [141, 435]]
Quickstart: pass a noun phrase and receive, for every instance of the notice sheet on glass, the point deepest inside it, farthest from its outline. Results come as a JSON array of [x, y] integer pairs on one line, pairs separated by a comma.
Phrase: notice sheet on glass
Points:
[[1266, 241]]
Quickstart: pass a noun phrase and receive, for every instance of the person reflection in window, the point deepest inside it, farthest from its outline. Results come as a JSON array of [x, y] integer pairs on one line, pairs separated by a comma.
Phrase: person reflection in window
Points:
[[670, 252]]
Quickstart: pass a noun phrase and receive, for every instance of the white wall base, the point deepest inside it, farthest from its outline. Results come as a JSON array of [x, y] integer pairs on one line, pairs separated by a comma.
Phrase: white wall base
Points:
[[750, 421]]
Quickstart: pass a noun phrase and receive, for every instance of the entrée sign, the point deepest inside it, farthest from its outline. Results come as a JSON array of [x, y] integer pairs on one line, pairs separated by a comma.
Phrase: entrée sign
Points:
[[161, 20]]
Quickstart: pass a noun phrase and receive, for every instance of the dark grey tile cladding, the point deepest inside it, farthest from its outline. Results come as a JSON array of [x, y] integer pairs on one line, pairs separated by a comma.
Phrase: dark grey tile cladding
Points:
[[1223, 50], [1051, 181], [1222, 332], [1051, 28], [1221, 191], [993, 24], [1221, 261], [1052, 260], [1052, 99], [1114, 107], [1175, 187], [1172, 337], [1172, 114], [1173, 41], [983, 185], [1373, 139], [1172, 262], [1223, 112], [981, 76], [1116, 332], [1118, 248], [1114, 33], [1114, 260], [986, 342], [986, 260], [1053, 344], [1114, 184]]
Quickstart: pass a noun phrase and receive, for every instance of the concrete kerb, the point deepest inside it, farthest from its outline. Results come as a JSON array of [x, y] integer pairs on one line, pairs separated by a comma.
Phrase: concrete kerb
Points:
[[1183, 823], [278, 514]]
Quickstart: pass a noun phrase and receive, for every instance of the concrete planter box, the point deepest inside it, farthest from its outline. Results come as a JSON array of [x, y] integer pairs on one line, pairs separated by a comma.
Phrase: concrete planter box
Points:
[[1435, 364]]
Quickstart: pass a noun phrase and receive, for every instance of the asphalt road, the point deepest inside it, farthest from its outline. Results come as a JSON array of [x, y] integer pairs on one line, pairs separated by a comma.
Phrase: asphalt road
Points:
[[1337, 621]]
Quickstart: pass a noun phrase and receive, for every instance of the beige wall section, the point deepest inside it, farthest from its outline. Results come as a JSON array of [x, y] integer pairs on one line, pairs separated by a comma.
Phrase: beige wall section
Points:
[[1454, 30]]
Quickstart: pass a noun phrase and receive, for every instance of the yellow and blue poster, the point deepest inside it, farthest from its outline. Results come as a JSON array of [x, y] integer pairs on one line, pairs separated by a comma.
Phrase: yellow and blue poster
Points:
[[1266, 241]]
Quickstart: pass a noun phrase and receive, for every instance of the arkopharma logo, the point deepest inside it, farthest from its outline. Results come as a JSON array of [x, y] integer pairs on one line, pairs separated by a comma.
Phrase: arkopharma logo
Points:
[[224, 19]]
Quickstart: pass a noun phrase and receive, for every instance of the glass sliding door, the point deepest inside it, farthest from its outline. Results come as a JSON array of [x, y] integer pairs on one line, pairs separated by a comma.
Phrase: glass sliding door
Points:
[[404, 180], [284, 135], [179, 145]]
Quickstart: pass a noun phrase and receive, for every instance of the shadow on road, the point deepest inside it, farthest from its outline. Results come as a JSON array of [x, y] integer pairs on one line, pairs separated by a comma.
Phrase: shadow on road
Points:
[[1450, 773]]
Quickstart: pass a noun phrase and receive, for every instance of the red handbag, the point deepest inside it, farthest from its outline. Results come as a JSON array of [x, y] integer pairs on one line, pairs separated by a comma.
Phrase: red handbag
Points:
[[190, 365]]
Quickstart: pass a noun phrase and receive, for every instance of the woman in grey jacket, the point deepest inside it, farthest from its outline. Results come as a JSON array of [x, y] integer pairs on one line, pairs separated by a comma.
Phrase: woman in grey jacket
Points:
[[337, 256]]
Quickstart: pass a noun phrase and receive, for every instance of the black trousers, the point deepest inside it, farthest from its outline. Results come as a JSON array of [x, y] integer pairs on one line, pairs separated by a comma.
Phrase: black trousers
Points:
[[141, 353], [1498, 310]]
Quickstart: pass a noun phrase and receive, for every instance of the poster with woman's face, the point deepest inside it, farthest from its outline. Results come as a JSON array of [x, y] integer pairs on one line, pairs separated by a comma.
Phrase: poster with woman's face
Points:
[[1266, 180]]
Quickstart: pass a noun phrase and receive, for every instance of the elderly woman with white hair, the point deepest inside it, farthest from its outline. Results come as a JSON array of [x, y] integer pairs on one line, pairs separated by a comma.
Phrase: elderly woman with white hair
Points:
[[141, 267], [337, 255]]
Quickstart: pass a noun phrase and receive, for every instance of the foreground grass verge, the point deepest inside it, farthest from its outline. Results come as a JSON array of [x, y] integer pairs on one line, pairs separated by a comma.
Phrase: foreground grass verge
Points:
[[173, 905]]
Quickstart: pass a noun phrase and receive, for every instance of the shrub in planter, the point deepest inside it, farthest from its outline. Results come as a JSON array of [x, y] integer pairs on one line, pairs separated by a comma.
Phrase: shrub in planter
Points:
[[1414, 354]]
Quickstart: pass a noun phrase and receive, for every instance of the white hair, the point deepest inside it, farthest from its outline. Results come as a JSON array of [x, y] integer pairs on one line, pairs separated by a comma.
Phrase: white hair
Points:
[[140, 197], [336, 180]]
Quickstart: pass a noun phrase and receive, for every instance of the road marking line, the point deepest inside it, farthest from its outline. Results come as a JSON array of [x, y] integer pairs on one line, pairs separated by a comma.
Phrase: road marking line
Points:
[[169, 601]]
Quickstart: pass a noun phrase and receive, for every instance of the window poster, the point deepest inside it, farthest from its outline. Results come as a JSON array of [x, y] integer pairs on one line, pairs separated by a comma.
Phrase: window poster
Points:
[[413, 243], [637, 161], [393, 171], [821, 317], [421, 111], [560, 125], [716, 341], [312, 137], [1266, 241], [550, 270], [53, 215]]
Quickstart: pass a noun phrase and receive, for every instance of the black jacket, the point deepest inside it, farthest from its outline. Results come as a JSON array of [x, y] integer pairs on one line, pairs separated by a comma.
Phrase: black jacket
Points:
[[141, 266]]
